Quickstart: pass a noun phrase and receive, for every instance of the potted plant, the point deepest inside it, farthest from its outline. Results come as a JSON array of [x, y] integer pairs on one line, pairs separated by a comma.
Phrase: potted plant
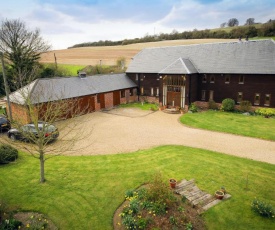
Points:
[[173, 183], [219, 195], [223, 190]]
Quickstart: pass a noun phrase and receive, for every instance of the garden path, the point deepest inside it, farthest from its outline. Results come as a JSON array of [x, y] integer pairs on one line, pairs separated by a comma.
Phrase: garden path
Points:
[[130, 129]]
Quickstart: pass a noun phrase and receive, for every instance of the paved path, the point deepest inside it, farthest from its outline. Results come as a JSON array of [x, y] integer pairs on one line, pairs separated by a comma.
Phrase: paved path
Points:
[[126, 130]]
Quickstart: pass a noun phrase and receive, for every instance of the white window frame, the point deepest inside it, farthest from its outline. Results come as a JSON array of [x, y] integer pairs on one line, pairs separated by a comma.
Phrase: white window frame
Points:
[[152, 91], [157, 91]]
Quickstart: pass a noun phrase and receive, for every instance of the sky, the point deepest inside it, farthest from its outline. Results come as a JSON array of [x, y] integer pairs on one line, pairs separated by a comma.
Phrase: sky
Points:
[[64, 23]]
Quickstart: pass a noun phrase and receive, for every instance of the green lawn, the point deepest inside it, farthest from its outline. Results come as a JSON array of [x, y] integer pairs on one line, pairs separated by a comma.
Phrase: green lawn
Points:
[[143, 106], [251, 126], [66, 69], [82, 192], [72, 69]]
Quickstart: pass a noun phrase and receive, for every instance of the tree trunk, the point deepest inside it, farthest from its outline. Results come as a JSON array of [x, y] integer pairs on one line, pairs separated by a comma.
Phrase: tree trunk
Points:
[[42, 161]]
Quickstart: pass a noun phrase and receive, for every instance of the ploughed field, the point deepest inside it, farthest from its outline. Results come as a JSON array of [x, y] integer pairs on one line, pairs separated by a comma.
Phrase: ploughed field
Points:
[[109, 54]]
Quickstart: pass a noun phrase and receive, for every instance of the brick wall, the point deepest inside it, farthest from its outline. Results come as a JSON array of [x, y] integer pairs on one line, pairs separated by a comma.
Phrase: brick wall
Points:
[[89, 103], [149, 99], [19, 113]]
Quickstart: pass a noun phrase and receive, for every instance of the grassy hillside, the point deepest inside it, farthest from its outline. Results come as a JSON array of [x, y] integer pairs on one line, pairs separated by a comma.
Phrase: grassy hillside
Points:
[[109, 54]]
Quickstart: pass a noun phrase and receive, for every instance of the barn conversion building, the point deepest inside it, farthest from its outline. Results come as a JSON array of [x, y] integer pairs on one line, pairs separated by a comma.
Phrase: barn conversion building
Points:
[[172, 76], [91, 93], [180, 75]]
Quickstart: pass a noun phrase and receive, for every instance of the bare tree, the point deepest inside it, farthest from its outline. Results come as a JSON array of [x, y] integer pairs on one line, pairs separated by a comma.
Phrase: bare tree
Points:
[[22, 49], [249, 21], [45, 109], [233, 22]]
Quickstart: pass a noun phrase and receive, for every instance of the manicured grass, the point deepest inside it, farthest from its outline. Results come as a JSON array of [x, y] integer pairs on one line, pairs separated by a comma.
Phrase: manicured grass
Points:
[[82, 192], [251, 126], [72, 69], [143, 106]]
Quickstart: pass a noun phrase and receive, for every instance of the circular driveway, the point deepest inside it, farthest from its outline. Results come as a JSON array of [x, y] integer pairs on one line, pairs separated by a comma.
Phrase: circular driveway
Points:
[[125, 130]]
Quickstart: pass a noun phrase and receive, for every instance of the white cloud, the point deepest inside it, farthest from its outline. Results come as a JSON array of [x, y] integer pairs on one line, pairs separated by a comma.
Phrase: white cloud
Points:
[[67, 23]]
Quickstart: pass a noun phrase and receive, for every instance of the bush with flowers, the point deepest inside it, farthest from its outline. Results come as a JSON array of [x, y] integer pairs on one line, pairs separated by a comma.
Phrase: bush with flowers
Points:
[[262, 208], [154, 206], [11, 220]]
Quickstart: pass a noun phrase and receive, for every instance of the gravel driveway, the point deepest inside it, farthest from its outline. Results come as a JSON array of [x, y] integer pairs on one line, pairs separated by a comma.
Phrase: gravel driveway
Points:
[[129, 129]]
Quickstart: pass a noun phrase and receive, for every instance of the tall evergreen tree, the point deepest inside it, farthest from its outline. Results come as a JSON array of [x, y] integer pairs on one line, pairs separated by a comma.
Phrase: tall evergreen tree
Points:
[[22, 49]]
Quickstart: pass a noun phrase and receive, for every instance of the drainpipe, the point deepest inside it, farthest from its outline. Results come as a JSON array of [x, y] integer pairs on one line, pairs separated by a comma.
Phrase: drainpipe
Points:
[[138, 85], [189, 93]]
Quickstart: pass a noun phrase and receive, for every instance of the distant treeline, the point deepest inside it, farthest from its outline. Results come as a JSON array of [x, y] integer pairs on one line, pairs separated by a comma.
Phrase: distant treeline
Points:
[[265, 30]]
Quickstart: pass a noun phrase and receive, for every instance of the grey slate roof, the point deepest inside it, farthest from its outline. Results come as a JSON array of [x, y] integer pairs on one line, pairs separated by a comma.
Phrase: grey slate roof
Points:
[[246, 57], [51, 89], [180, 66]]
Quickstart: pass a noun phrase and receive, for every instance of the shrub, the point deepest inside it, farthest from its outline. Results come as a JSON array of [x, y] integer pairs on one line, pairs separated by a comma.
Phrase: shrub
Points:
[[193, 108], [10, 223], [149, 205], [212, 105], [228, 104], [245, 106], [266, 112], [7, 154], [158, 191], [262, 208]]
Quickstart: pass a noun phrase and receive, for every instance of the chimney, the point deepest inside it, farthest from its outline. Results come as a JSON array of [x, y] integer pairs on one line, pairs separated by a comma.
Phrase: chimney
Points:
[[82, 74]]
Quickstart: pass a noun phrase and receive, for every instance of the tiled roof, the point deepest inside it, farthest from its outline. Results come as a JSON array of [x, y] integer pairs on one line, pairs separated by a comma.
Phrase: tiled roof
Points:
[[180, 66], [51, 89], [246, 57]]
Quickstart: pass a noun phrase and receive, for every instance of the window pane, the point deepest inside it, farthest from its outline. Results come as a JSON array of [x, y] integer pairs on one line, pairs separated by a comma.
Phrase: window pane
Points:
[[239, 97], [257, 99], [212, 79], [203, 94], [227, 78], [267, 100], [241, 79]]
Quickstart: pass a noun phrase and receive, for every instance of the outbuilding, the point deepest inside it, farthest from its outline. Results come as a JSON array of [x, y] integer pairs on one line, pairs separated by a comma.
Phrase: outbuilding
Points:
[[91, 93]]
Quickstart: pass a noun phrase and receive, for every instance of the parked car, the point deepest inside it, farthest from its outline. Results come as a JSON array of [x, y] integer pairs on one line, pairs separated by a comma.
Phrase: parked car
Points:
[[29, 132], [4, 123]]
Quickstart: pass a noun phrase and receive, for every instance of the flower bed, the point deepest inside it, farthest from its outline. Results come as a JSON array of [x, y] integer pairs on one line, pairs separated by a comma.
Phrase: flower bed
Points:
[[156, 206]]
